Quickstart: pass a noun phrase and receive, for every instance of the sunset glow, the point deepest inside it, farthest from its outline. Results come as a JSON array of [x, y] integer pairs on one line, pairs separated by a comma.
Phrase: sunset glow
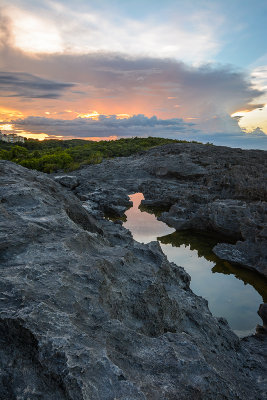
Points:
[[40, 136], [6, 127], [251, 120], [123, 116], [94, 71], [92, 115], [239, 113], [6, 114]]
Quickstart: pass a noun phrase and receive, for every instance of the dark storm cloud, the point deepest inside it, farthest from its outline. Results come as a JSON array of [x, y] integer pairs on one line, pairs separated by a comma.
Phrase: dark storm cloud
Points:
[[138, 125], [18, 84]]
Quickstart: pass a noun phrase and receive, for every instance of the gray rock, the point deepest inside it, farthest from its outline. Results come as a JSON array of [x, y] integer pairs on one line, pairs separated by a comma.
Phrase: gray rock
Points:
[[263, 314], [205, 188], [251, 255], [68, 181], [106, 201], [88, 313], [257, 345], [232, 218], [176, 167]]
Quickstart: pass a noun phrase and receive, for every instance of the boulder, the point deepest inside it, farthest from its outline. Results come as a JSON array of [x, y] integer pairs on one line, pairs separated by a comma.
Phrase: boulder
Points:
[[175, 167], [71, 182]]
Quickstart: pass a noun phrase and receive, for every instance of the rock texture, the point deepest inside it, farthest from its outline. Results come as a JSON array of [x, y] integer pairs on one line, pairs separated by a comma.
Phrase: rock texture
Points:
[[70, 182], [263, 314], [204, 188], [86, 313]]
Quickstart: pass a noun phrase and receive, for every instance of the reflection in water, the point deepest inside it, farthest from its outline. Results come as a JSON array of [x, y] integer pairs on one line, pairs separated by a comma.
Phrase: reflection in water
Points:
[[144, 227], [232, 292], [203, 244]]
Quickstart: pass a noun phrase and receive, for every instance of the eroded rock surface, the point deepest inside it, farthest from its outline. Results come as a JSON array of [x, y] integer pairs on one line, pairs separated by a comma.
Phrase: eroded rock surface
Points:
[[205, 188], [87, 313], [68, 181]]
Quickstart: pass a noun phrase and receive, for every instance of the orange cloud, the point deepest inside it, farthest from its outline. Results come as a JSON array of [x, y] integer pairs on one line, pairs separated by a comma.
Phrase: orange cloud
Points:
[[99, 139], [39, 136], [91, 114], [251, 120], [123, 116], [240, 113], [6, 127], [8, 113]]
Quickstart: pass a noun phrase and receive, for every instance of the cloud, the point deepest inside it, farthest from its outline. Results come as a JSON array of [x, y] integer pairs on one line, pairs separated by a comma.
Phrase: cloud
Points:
[[137, 125], [117, 83], [16, 84], [259, 79], [225, 131], [142, 126], [179, 33], [256, 139], [151, 83], [107, 80]]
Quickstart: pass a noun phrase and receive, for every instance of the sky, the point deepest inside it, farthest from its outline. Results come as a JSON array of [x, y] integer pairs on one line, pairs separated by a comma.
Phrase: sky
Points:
[[194, 70]]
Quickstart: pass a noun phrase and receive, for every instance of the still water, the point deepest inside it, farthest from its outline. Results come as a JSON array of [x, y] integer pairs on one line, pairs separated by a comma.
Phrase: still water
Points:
[[232, 292]]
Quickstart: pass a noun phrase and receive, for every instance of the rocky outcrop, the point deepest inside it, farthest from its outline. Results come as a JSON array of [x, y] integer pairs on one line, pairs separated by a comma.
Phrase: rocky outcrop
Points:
[[200, 187], [248, 254], [99, 198], [180, 167], [222, 216], [87, 313], [70, 182], [234, 219]]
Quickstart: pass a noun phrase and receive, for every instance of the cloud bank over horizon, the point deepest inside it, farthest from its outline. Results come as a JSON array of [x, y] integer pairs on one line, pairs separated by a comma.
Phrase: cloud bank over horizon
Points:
[[137, 125], [112, 127], [47, 89]]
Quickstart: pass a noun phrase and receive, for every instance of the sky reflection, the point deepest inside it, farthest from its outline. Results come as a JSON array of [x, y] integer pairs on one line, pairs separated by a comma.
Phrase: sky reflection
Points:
[[232, 292], [144, 227]]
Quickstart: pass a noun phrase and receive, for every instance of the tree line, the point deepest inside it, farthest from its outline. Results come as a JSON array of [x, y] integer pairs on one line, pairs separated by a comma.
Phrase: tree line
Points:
[[67, 155]]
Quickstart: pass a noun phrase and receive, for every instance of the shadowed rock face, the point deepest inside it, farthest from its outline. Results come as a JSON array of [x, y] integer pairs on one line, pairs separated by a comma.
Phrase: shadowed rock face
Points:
[[263, 314], [87, 313]]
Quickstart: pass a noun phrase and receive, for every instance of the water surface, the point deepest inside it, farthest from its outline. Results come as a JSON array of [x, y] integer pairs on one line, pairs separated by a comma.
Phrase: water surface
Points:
[[233, 292]]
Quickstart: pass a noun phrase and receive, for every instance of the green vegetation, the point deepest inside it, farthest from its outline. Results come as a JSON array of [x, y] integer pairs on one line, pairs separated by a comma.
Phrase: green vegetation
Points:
[[68, 155]]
